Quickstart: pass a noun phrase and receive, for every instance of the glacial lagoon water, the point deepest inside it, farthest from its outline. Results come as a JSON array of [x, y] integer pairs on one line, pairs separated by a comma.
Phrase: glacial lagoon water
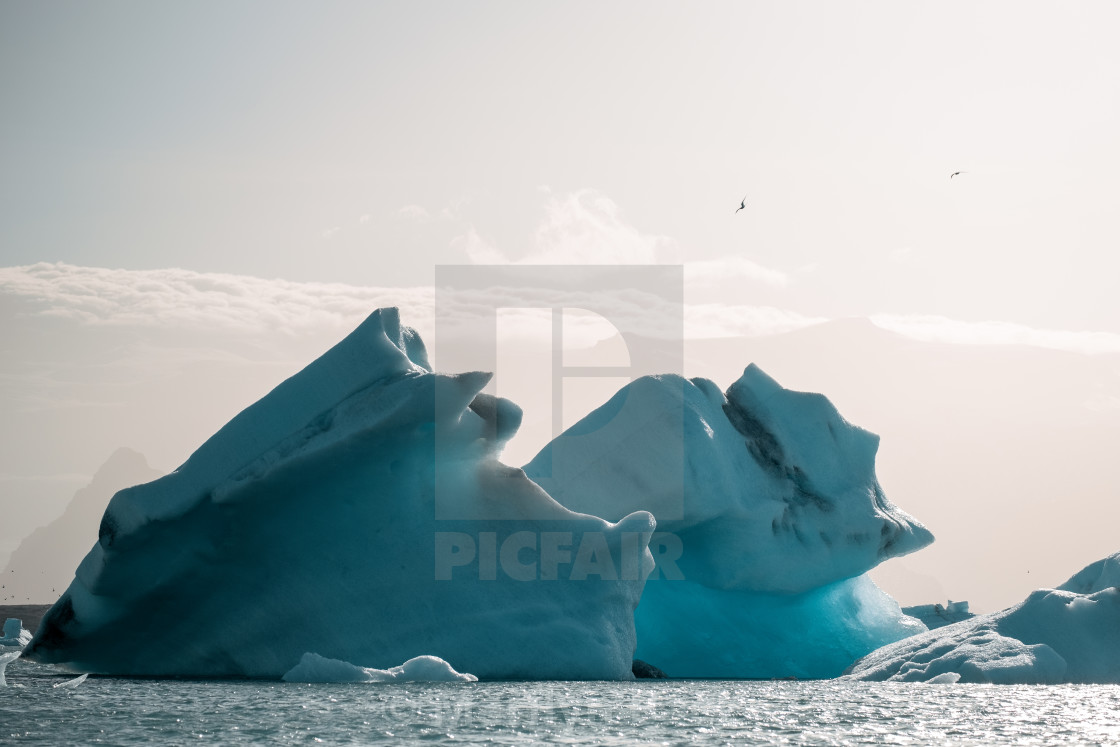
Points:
[[675, 712]]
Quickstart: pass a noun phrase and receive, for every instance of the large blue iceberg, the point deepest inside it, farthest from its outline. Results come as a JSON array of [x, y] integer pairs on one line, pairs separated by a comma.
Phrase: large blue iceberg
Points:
[[358, 511], [768, 513]]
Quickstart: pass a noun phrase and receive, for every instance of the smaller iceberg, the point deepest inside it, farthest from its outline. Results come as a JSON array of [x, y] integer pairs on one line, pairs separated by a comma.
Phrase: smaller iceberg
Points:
[[1062, 635], [949, 678], [6, 659], [71, 684], [315, 668], [939, 615], [15, 634]]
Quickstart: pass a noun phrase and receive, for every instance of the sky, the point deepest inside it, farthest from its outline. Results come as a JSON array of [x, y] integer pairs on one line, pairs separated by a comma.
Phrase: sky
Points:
[[198, 198]]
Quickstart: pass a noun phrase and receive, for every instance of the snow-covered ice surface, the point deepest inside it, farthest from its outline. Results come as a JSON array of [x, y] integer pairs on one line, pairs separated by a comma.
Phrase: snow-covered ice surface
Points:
[[315, 668], [1062, 635], [1098, 576], [770, 507], [309, 522]]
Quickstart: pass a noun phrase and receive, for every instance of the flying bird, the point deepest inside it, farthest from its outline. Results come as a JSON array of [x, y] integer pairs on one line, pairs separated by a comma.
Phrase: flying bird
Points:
[[957, 172], [742, 204]]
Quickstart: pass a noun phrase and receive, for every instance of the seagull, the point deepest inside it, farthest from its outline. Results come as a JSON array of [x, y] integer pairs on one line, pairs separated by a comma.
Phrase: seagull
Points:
[[742, 204], [957, 172]]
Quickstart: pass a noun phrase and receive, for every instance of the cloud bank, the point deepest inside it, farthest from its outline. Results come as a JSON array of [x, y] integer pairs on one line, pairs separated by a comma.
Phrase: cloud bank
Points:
[[932, 328], [184, 298], [243, 304]]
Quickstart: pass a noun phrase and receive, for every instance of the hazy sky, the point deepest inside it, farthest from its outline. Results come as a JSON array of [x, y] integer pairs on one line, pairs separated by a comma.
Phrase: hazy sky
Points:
[[298, 164], [255, 138]]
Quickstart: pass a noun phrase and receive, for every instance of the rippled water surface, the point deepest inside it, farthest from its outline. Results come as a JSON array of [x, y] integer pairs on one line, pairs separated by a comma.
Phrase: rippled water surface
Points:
[[119, 711]]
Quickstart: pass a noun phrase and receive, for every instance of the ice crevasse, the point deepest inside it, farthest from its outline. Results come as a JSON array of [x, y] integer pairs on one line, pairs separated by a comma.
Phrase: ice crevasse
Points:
[[357, 511]]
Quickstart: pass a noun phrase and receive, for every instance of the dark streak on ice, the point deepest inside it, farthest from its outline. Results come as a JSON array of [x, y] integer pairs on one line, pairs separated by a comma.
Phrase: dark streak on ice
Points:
[[768, 453]]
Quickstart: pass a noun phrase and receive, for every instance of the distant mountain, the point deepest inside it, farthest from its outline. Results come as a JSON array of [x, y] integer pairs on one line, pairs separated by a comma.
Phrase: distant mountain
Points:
[[43, 565]]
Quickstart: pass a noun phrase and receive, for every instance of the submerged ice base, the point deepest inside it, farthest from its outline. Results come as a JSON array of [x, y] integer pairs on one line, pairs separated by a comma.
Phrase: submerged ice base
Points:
[[696, 631], [313, 520]]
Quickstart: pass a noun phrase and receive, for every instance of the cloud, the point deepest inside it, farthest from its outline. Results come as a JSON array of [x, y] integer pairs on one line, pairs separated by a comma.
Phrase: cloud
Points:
[[477, 249], [712, 272], [587, 228], [454, 211], [465, 310], [580, 228], [1103, 403], [703, 321], [414, 212], [184, 298], [931, 328], [902, 255], [215, 301], [330, 233], [364, 218]]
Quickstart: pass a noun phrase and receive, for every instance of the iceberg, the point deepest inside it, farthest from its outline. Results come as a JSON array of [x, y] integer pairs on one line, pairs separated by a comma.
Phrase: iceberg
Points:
[[1061, 635], [768, 513], [358, 510], [70, 684], [315, 668], [14, 635], [6, 658], [939, 615]]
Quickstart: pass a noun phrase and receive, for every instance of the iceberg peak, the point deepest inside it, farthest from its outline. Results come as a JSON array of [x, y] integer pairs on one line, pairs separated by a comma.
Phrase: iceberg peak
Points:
[[769, 489]]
